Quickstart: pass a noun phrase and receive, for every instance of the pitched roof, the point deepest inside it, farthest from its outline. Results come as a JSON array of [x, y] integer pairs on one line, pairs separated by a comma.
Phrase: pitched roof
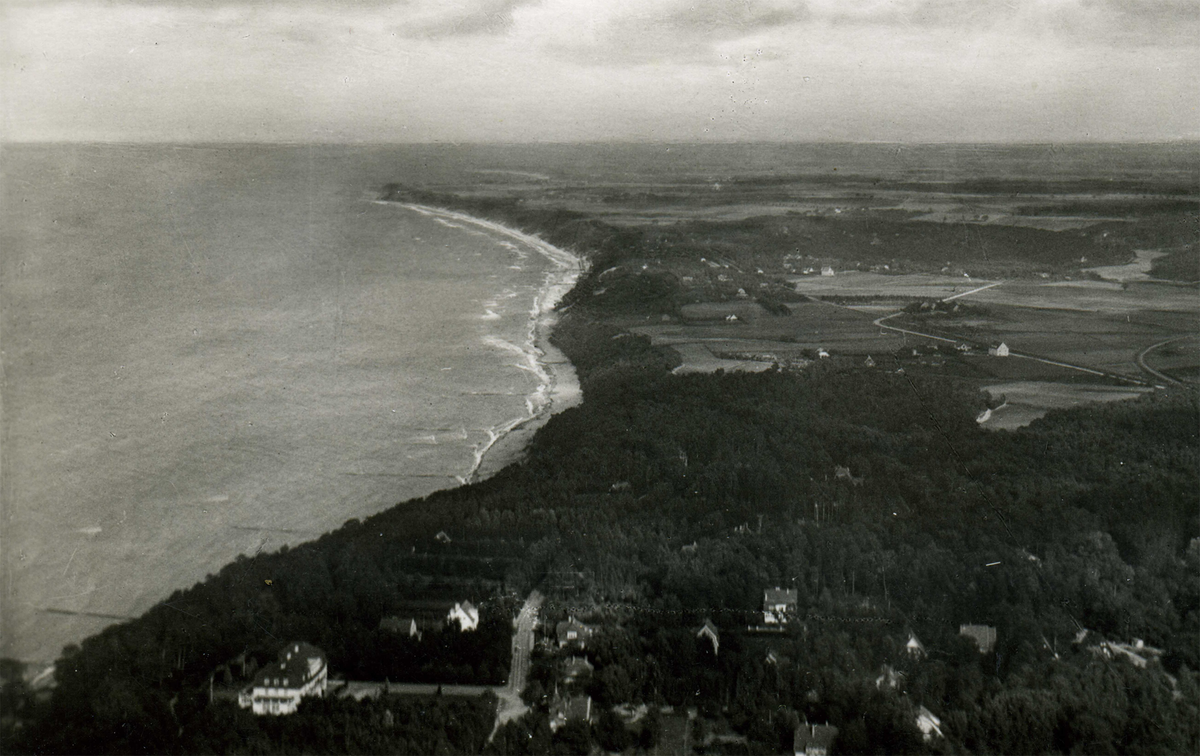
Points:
[[780, 596], [298, 663]]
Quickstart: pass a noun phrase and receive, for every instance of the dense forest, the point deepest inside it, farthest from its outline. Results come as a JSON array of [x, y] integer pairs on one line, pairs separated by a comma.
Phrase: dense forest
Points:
[[665, 500]]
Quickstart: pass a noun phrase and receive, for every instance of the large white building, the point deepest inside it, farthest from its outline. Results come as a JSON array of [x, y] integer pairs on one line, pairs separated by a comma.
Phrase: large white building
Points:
[[278, 687]]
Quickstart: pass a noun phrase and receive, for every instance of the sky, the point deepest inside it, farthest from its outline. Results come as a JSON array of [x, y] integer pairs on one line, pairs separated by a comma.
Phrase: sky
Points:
[[600, 70]]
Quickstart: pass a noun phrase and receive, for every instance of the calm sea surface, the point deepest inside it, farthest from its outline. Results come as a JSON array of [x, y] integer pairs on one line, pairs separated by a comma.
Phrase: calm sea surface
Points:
[[215, 351]]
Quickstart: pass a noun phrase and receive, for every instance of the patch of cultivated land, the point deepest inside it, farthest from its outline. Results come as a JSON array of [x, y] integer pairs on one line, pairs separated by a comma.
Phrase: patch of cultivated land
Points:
[[862, 284], [1028, 400], [705, 333]]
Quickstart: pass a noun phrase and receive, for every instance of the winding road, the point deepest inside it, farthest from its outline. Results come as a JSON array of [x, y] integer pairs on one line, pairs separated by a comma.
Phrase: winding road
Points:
[[1141, 359]]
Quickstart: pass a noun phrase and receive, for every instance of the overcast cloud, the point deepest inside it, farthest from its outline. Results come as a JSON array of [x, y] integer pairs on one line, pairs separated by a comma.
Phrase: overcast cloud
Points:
[[566, 70]]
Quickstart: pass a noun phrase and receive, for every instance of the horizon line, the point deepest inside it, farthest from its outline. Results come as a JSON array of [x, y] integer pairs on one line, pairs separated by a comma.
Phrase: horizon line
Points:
[[1191, 140]]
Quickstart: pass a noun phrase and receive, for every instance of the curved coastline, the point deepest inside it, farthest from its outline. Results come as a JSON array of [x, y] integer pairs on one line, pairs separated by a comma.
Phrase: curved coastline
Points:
[[558, 386]]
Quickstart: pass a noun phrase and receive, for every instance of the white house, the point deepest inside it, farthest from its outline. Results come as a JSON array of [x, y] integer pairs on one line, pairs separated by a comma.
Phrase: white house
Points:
[[467, 615], [278, 687], [928, 724], [914, 647], [779, 605], [998, 351]]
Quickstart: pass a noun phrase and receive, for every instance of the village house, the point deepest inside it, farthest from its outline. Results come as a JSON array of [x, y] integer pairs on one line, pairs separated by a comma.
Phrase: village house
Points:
[[779, 605], [571, 632], [1137, 652], [889, 678], [928, 724], [983, 635], [914, 647], [709, 630], [465, 614], [998, 351], [278, 687], [813, 740]]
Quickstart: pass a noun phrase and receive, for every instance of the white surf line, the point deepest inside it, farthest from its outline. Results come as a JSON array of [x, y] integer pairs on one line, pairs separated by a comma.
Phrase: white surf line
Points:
[[972, 291], [557, 283], [560, 257]]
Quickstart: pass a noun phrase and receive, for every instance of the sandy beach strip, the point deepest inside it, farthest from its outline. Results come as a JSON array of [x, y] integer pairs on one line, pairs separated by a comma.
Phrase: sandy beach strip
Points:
[[558, 386]]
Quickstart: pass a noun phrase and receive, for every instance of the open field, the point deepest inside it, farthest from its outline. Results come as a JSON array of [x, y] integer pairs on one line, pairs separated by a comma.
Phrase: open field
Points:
[[855, 283], [1029, 400]]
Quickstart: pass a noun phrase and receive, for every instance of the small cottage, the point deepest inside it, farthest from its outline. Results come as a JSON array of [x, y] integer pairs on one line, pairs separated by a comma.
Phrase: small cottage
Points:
[[708, 631]]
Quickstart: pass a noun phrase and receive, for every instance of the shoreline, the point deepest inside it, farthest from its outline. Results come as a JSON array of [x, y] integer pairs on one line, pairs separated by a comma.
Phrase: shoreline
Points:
[[558, 386]]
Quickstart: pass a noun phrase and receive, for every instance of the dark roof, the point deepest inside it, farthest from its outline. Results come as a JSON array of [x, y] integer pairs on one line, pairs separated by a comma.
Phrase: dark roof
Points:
[[781, 596], [808, 735], [292, 669], [564, 628]]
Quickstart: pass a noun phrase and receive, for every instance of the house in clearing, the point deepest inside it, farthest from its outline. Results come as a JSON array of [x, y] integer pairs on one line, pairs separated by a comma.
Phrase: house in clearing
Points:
[[928, 724], [300, 671], [813, 740], [709, 631], [780, 605], [466, 614], [1137, 652], [1001, 350], [983, 635], [572, 632], [914, 647]]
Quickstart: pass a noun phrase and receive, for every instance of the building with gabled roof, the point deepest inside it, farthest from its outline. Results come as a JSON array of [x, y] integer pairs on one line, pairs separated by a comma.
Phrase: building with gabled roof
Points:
[[572, 632], [914, 647], [928, 724], [709, 630], [780, 605], [300, 671], [465, 614]]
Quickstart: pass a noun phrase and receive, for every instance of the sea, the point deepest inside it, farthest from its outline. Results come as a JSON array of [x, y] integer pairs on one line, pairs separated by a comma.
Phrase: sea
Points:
[[210, 351], [214, 350]]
